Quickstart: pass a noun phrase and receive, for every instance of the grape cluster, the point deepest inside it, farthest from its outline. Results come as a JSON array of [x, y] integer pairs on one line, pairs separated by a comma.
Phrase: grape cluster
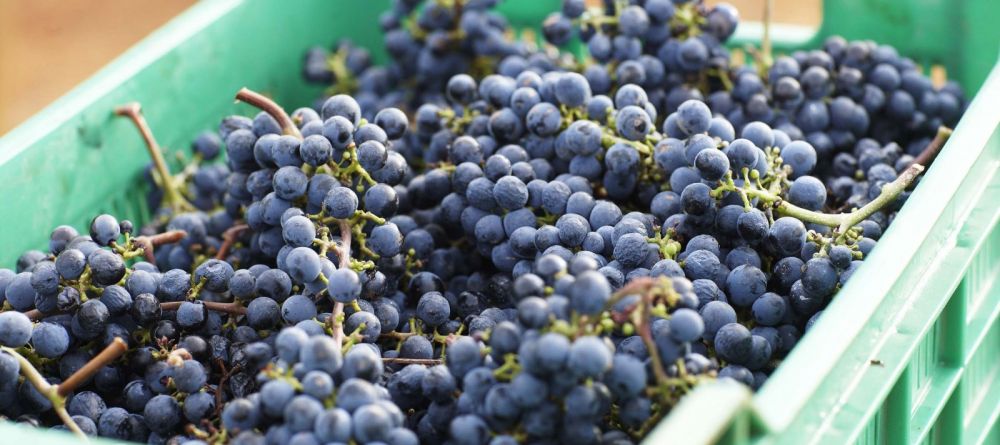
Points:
[[673, 49], [482, 242], [428, 42]]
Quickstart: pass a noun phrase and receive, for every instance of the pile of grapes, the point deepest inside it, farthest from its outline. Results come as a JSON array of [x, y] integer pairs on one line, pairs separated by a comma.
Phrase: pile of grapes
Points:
[[486, 241]]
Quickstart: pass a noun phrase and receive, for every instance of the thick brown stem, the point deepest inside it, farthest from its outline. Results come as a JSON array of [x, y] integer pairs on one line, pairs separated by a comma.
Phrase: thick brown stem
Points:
[[149, 243], [270, 107], [219, 390], [397, 335], [934, 147], [233, 308], [171, 195], [34, 315], [169, 237], [108, 355], [229, 238]]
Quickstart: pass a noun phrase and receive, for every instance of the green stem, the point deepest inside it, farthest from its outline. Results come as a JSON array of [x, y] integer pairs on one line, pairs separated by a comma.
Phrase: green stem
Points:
[[842, 221], [826, 219], [70, 423], [667, 246], [196, 289], [509, 369], [362, 214], [354, 167], [344, 81], [889, 193]]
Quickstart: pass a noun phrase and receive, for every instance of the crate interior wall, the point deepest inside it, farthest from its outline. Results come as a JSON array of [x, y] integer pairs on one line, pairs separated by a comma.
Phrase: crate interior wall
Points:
[[909, 352]]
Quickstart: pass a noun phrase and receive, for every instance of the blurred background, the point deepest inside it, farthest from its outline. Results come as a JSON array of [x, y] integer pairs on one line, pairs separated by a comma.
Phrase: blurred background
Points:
[[49, 46]]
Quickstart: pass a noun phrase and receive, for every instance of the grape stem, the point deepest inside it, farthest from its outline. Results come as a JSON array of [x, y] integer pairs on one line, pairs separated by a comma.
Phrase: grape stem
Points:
[[34, 315], [927, 156], [108, 355], [226, 373], [344, 255], [270, 107], [171, 193], [232, 308], [57, 393], [889, 193], [650, 291], [641, 318], [640, 313], [148, 243], [48, 390], [70, 423], [842, 221], [229, 239], [398, 335], [343, 82], [635, 286]]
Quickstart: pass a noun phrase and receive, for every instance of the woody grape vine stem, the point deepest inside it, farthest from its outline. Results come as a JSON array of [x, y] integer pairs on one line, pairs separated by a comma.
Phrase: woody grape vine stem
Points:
[[56, 394], [288, 127], [149, 243], [270, 107], [171, 194], [229, 238]]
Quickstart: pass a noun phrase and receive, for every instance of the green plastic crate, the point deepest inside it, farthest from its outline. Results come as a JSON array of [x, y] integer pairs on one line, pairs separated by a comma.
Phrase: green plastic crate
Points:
[[909, 350], [908, 353]]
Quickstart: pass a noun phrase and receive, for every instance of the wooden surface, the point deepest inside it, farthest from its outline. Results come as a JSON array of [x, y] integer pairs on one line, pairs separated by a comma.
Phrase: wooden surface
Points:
[[802, 12], [49, 46]]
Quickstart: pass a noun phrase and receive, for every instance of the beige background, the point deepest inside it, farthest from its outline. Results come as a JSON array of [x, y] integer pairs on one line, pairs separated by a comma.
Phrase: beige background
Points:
[[49, 46]]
